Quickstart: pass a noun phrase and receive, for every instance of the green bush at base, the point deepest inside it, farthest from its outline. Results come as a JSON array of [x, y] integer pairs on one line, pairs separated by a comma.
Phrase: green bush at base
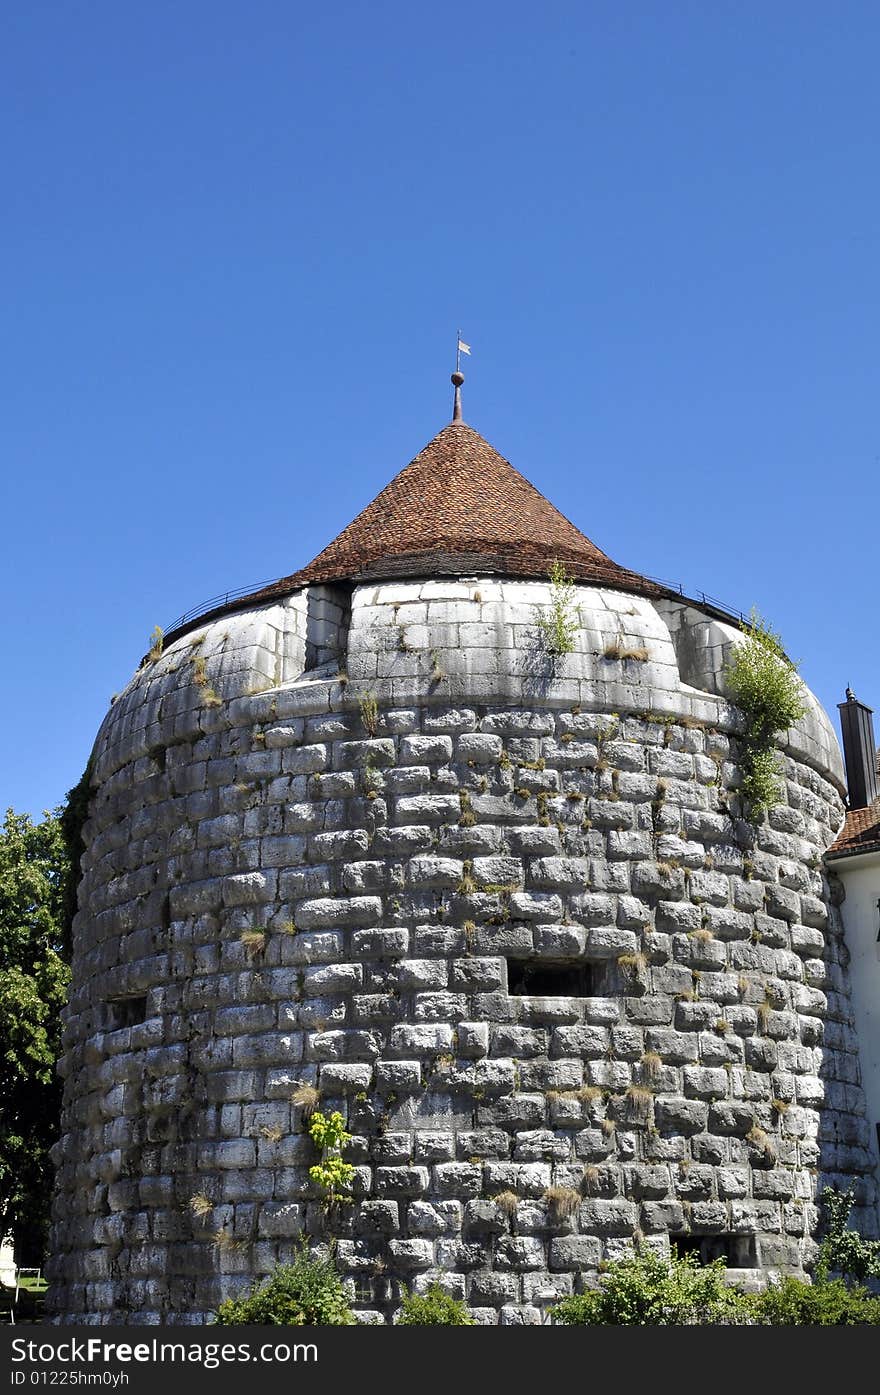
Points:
[[829, 1303], [307, 1292], [433, 1308], [650, 1291]]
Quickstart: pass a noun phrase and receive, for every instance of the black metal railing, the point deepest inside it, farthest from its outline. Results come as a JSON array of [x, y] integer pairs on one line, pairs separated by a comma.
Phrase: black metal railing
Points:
[[215, 603], [676, 587]]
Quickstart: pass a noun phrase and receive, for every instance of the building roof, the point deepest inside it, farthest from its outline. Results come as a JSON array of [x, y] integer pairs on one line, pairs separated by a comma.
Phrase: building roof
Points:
[[459, 507], [860, 832]]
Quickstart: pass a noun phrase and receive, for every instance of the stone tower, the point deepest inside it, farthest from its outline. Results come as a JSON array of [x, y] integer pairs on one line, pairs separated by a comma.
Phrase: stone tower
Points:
[[364, 831]]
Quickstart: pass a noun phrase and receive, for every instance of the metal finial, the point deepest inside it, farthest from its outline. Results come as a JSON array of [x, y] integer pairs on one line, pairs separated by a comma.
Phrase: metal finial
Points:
[[850, 695], [457, 380]]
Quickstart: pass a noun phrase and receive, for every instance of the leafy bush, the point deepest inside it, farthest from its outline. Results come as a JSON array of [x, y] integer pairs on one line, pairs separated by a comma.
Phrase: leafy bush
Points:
[[306, 1293], [764, 684], [792, 1303], [433, 1308], [843, 1251], [648, 1290]]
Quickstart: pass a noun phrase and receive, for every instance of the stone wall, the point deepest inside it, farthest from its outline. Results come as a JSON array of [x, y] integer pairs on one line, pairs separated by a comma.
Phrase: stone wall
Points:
[[286, 887]]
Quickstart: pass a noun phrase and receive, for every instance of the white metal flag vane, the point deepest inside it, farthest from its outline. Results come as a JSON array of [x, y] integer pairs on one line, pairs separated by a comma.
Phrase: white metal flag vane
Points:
[[463, 348]]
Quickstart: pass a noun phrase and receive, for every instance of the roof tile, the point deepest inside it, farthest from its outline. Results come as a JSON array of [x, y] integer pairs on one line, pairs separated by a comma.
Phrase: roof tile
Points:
[[458, 507], [860, 832]]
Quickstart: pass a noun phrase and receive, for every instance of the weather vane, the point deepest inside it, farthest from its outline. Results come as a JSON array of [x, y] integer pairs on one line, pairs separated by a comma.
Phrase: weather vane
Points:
[[458, 376], [462, 348]]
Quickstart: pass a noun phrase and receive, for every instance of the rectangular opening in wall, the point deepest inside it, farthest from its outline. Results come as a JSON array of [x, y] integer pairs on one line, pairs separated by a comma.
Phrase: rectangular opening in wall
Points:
[[128, 1011], [328, 616], [534, 978], [737, 1251], [363, 1290]]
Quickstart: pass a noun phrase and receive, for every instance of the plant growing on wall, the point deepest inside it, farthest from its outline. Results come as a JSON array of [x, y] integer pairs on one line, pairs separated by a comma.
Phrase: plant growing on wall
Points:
[[434, 1308], [328, 1132], [157, 642], [306, 1293], [764, 684], [369, 710], [557, 621], [648, 1290], [843, 1251]]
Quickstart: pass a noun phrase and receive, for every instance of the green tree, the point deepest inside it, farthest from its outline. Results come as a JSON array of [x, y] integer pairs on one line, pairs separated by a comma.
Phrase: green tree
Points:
[[35, 886]]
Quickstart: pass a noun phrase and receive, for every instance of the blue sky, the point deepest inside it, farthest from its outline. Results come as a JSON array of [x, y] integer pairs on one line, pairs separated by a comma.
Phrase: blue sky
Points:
[[237, 241]]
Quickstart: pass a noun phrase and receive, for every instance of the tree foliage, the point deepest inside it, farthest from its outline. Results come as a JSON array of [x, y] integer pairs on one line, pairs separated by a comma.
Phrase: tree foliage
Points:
[[35, 873]]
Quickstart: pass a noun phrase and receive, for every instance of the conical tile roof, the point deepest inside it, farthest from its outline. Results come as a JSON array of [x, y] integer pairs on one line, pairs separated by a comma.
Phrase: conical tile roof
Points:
[[460, 508]]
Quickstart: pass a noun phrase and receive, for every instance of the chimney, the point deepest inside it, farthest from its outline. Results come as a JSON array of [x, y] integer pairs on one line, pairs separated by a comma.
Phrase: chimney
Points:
[[859, 751]]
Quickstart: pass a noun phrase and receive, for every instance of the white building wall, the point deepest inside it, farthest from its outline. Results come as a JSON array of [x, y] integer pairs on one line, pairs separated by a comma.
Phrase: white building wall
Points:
[[861, 918]]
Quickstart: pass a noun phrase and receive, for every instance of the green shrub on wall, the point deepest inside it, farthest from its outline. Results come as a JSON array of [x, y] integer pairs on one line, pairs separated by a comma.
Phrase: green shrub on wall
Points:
[[306, 1293], [792, 1303], [647, 1290], [764, 684], [843, 1251], [434, 1308]]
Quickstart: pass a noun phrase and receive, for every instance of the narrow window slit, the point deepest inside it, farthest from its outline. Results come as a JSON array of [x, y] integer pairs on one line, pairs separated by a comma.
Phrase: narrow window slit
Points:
[[128, 1011], [536, 979], [737, 1251]]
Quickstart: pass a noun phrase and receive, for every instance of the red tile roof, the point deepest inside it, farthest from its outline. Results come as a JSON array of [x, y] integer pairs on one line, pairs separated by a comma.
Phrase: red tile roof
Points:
[[459, 507], [860, 832]]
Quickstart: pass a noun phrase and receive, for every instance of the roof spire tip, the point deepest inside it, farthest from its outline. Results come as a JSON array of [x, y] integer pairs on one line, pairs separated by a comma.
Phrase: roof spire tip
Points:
[[457, 380]]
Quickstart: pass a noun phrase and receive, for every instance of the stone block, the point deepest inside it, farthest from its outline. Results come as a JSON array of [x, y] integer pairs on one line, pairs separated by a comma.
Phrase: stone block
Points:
[[428, 808], [327, 912], [535, 905], [479, 747], [401, 1181], [428, 749], [577, 1252], [430, 871], [424, 1039], [458, 1179], [332, 978], [473, 1039], [497, 871], [681, 1115], [389, 944]]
